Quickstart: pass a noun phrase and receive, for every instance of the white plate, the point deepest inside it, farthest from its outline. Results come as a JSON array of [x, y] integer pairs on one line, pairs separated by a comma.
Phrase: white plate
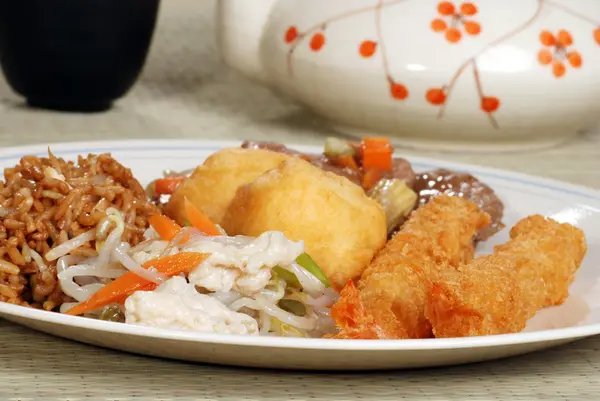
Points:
[[523, 195]]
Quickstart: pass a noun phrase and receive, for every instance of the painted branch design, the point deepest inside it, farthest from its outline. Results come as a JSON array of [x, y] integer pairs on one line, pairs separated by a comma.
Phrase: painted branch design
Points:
[[453, 21], [488, 104]]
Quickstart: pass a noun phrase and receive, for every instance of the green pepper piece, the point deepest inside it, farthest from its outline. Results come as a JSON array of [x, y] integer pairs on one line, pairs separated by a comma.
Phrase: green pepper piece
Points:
[[292, 306], [287, 276], [112, 314], [309, 265]]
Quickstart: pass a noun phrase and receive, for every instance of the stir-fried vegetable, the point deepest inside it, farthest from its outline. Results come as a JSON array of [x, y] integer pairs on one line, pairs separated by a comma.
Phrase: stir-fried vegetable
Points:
[[376, 154], [396, 198], [112, 314], [293, 306], [370, 179], [346, 161], [167, 185], [119, 289], [166, 228], [308, 264], [285, 330], [198, 220], [335, 148], [290, 278]]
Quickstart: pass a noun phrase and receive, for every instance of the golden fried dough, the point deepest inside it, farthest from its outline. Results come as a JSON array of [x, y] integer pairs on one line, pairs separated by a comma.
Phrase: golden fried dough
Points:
[[342, 228], [389, 301], [499, 293], [213, 184]]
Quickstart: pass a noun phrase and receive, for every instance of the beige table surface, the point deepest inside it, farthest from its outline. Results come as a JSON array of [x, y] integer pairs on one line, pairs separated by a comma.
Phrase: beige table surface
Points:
[[186, 92]]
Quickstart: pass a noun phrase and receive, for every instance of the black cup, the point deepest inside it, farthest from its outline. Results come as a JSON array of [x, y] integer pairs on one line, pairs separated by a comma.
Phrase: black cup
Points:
[[75, 55]]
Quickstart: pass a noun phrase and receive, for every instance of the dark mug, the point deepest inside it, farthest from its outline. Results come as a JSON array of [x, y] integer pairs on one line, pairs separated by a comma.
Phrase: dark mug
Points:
[[75, 55]]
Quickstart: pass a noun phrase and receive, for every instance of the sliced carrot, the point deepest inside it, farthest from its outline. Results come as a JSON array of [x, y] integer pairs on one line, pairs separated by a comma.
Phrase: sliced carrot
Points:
[[376, 142], [377, 154], [379, 159], [370, 178], [198, 220], [346, 161], [166, 228], [166, 186], [122, 287]]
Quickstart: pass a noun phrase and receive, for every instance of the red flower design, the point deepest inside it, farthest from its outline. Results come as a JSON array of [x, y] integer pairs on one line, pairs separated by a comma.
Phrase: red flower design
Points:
[[436, 96], [557, 51], [291, 34], [317, 41], [367, 48], [457, 18], [490, 104], [398, 91]]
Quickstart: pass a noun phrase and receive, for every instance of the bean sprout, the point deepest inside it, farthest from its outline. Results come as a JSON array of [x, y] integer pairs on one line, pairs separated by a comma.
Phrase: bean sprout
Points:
[[37, 258], [283, 316], [82, 293], [120, 253], [310, 283], [265, 323], [70, 245]]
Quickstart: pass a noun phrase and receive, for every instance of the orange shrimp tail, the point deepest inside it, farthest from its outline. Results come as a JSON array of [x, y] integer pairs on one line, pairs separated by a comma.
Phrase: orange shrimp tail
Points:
[[350, 316], [444, 310]]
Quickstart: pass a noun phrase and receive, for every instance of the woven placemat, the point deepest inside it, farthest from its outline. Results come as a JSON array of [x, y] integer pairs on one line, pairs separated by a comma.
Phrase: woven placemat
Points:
[[36, 366], [186, 92]]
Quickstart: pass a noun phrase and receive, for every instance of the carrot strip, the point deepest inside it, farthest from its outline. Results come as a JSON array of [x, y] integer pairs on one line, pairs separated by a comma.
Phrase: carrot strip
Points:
[[166, 228], [346, 161], [377, 154], [166, 186], [370, 178], [122, 287], [198, 220]]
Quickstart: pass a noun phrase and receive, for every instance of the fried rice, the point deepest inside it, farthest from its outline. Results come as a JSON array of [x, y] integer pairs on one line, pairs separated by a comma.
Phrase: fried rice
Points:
[[45, 202]]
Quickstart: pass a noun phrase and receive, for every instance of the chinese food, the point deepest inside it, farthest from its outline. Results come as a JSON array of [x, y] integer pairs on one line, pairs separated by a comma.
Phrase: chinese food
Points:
[[265, 240], [431, 184], [51, 208], [342, 228], [243, 281], [532, 270], [392, 292], [346, 159], [212, 185]]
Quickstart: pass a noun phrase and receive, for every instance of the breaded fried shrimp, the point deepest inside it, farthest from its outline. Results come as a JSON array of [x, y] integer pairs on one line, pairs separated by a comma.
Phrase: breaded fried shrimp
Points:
[[390, 299], [499, 293]]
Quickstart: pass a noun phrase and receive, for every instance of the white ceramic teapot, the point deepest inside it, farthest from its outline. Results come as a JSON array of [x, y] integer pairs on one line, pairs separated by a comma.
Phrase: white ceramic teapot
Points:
[[466, 75]]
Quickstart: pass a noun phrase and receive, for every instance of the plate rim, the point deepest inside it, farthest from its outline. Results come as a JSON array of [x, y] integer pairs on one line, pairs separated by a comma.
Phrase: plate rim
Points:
[[566, 333], [540, 336]]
